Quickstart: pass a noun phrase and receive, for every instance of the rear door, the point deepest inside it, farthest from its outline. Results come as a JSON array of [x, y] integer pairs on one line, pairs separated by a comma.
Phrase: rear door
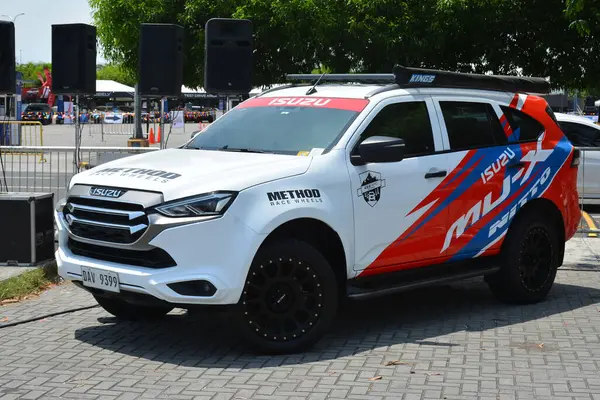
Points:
[[479, 155]]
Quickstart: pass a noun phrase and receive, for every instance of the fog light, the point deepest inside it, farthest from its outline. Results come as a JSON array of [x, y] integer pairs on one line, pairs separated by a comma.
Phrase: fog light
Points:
[[194, 288]]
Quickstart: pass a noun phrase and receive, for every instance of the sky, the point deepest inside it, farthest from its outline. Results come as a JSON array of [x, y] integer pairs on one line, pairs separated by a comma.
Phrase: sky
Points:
[[33, 35]]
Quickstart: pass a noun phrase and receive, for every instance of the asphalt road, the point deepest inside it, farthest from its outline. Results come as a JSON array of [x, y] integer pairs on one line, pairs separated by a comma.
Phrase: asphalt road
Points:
[[591, 221], [96, 135]]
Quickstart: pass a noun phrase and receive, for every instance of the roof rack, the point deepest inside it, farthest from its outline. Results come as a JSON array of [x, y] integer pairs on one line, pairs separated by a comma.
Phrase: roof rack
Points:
[[349, 78], [422, 77], [407, 77]]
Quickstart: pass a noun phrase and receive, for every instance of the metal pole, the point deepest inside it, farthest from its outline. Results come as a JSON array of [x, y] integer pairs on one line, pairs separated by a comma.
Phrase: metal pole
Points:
[[137, 112], [77, 144], [162, 122]]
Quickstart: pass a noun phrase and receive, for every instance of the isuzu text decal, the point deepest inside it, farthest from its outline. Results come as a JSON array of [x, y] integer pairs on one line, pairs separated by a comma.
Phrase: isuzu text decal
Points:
[[139, 173], [311, 102]]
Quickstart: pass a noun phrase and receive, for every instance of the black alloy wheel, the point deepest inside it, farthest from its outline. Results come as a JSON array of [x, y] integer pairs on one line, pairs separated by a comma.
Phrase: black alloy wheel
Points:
[[529, 260], [289, 298], [536, 259], [283, 299]]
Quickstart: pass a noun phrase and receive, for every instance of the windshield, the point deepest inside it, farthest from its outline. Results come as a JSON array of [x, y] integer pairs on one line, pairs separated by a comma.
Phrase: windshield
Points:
[[281, 125], [38, 107]]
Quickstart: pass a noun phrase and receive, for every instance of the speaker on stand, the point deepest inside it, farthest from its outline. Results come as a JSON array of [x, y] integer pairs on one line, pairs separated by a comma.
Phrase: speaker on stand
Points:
[[228, 56], [160, 64], [74, 67], [8, 77]]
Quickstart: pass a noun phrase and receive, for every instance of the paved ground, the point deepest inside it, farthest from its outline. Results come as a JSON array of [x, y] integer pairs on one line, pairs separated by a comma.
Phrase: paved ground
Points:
[[454, 342]]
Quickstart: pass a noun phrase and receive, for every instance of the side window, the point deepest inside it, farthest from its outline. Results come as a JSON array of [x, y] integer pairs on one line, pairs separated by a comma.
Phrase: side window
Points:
[[472, 125], [580, 135], [409, 121], [524, 127]]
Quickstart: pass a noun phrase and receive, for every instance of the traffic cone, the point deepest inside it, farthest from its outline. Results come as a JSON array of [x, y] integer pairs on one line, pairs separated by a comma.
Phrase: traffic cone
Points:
[[151, 136], [158, 135]]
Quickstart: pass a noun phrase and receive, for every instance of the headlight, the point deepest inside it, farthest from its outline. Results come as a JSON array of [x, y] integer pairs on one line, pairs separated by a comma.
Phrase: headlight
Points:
[[198, 206]]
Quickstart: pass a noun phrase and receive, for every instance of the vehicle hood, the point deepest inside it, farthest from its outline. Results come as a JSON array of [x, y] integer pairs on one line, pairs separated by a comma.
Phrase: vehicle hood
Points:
[[179, 173]]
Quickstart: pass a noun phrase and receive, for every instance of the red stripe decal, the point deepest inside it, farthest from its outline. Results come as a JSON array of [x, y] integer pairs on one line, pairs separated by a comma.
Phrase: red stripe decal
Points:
[[315, 102]]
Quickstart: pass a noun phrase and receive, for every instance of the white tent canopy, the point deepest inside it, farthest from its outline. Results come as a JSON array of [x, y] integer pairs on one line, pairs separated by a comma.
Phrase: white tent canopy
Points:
[[253, 92], [106, 86]]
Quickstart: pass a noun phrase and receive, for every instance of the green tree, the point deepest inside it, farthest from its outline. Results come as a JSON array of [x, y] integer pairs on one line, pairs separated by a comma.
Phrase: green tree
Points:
[[30, 71], [533, 37], [115, 72]]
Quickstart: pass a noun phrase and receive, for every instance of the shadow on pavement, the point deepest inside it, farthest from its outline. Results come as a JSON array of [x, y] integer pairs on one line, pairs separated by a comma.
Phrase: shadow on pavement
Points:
[[417, 317]]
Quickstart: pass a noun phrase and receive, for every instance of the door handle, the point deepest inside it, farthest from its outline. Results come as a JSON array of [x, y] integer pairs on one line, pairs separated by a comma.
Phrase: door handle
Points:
[[518, 164], [435, 174]]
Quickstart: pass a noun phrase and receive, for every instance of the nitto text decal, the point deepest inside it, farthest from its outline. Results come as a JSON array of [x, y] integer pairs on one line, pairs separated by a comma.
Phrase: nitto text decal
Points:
[[510, 184], [139, 173], [298, 196]]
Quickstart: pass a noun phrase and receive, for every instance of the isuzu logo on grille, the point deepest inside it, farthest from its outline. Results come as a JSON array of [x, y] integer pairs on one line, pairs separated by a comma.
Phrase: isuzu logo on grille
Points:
[[104, 192]]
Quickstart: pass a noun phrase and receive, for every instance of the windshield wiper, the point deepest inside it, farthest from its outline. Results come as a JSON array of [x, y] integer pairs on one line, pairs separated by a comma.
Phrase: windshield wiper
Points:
[[242, 150], [227, 148]]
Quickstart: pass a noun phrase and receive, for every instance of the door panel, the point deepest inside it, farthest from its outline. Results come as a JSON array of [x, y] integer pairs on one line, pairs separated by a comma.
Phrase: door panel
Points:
[[396, 219]]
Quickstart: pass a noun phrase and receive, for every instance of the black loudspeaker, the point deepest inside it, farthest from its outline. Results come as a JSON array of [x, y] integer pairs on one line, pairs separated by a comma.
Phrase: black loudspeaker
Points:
[[160, 60], [8, 78], [73, 59], [228, 56], [27, 234]]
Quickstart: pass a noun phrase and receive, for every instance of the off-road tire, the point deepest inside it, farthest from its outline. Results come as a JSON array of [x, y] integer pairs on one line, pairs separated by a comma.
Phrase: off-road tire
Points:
[[289, 300], [519, 281], [131, 312]]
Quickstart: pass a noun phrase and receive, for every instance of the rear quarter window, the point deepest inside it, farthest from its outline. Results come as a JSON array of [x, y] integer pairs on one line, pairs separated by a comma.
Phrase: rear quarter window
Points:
[[525, 128]]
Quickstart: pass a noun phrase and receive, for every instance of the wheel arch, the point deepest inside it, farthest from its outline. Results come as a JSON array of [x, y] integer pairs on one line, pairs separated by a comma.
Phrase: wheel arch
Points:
[[549, 209], [319, 235]]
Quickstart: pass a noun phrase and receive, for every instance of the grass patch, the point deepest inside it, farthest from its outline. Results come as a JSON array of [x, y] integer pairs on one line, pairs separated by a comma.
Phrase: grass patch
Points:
[[29, 283]]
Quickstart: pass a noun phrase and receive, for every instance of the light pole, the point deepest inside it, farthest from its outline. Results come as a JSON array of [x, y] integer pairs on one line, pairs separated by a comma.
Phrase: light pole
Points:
[[14, 19]]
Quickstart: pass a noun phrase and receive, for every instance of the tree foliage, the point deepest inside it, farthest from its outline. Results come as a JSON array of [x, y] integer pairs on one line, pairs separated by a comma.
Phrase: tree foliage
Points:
[[115, 72], [30, 71], [533, 37]]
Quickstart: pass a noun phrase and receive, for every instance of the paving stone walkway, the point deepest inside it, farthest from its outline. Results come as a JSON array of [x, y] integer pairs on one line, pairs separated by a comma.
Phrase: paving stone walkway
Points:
[[452, 342]]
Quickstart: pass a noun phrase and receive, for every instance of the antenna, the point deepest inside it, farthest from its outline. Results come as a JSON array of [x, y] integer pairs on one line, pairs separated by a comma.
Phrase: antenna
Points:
[[312, 88]]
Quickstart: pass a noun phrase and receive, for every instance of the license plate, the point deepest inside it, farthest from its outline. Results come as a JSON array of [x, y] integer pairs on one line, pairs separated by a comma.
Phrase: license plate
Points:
[[100, 279]]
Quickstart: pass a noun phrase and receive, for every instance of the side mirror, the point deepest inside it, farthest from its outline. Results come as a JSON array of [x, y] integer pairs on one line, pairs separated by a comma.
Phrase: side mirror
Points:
[[377, 149]]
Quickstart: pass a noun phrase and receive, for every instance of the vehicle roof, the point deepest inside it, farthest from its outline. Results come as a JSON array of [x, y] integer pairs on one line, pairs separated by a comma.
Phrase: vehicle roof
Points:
[[575, 118], [361, 91]]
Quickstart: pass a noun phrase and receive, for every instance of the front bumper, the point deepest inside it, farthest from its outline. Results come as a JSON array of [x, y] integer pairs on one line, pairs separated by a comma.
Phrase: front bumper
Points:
[[219, 251]]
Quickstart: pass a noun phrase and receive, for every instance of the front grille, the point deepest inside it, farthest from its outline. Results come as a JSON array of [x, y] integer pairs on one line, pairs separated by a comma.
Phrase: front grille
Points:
[[105, 220], [155, 258]]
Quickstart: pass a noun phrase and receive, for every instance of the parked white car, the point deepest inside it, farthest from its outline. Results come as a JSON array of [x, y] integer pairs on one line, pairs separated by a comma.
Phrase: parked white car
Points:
[[584, 134]]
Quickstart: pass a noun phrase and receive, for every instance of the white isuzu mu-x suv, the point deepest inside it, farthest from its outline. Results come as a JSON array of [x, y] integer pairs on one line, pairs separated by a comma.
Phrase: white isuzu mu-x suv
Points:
[[351, 186]]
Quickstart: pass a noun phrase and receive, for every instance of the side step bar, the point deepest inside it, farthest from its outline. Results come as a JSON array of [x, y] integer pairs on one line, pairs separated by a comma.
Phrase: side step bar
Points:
[[387, 288]]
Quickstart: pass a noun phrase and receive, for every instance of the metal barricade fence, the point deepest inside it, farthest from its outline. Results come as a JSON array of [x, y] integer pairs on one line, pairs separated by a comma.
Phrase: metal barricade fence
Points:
[[24, 174], [102, 128], [588, 186], [22, 133]]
